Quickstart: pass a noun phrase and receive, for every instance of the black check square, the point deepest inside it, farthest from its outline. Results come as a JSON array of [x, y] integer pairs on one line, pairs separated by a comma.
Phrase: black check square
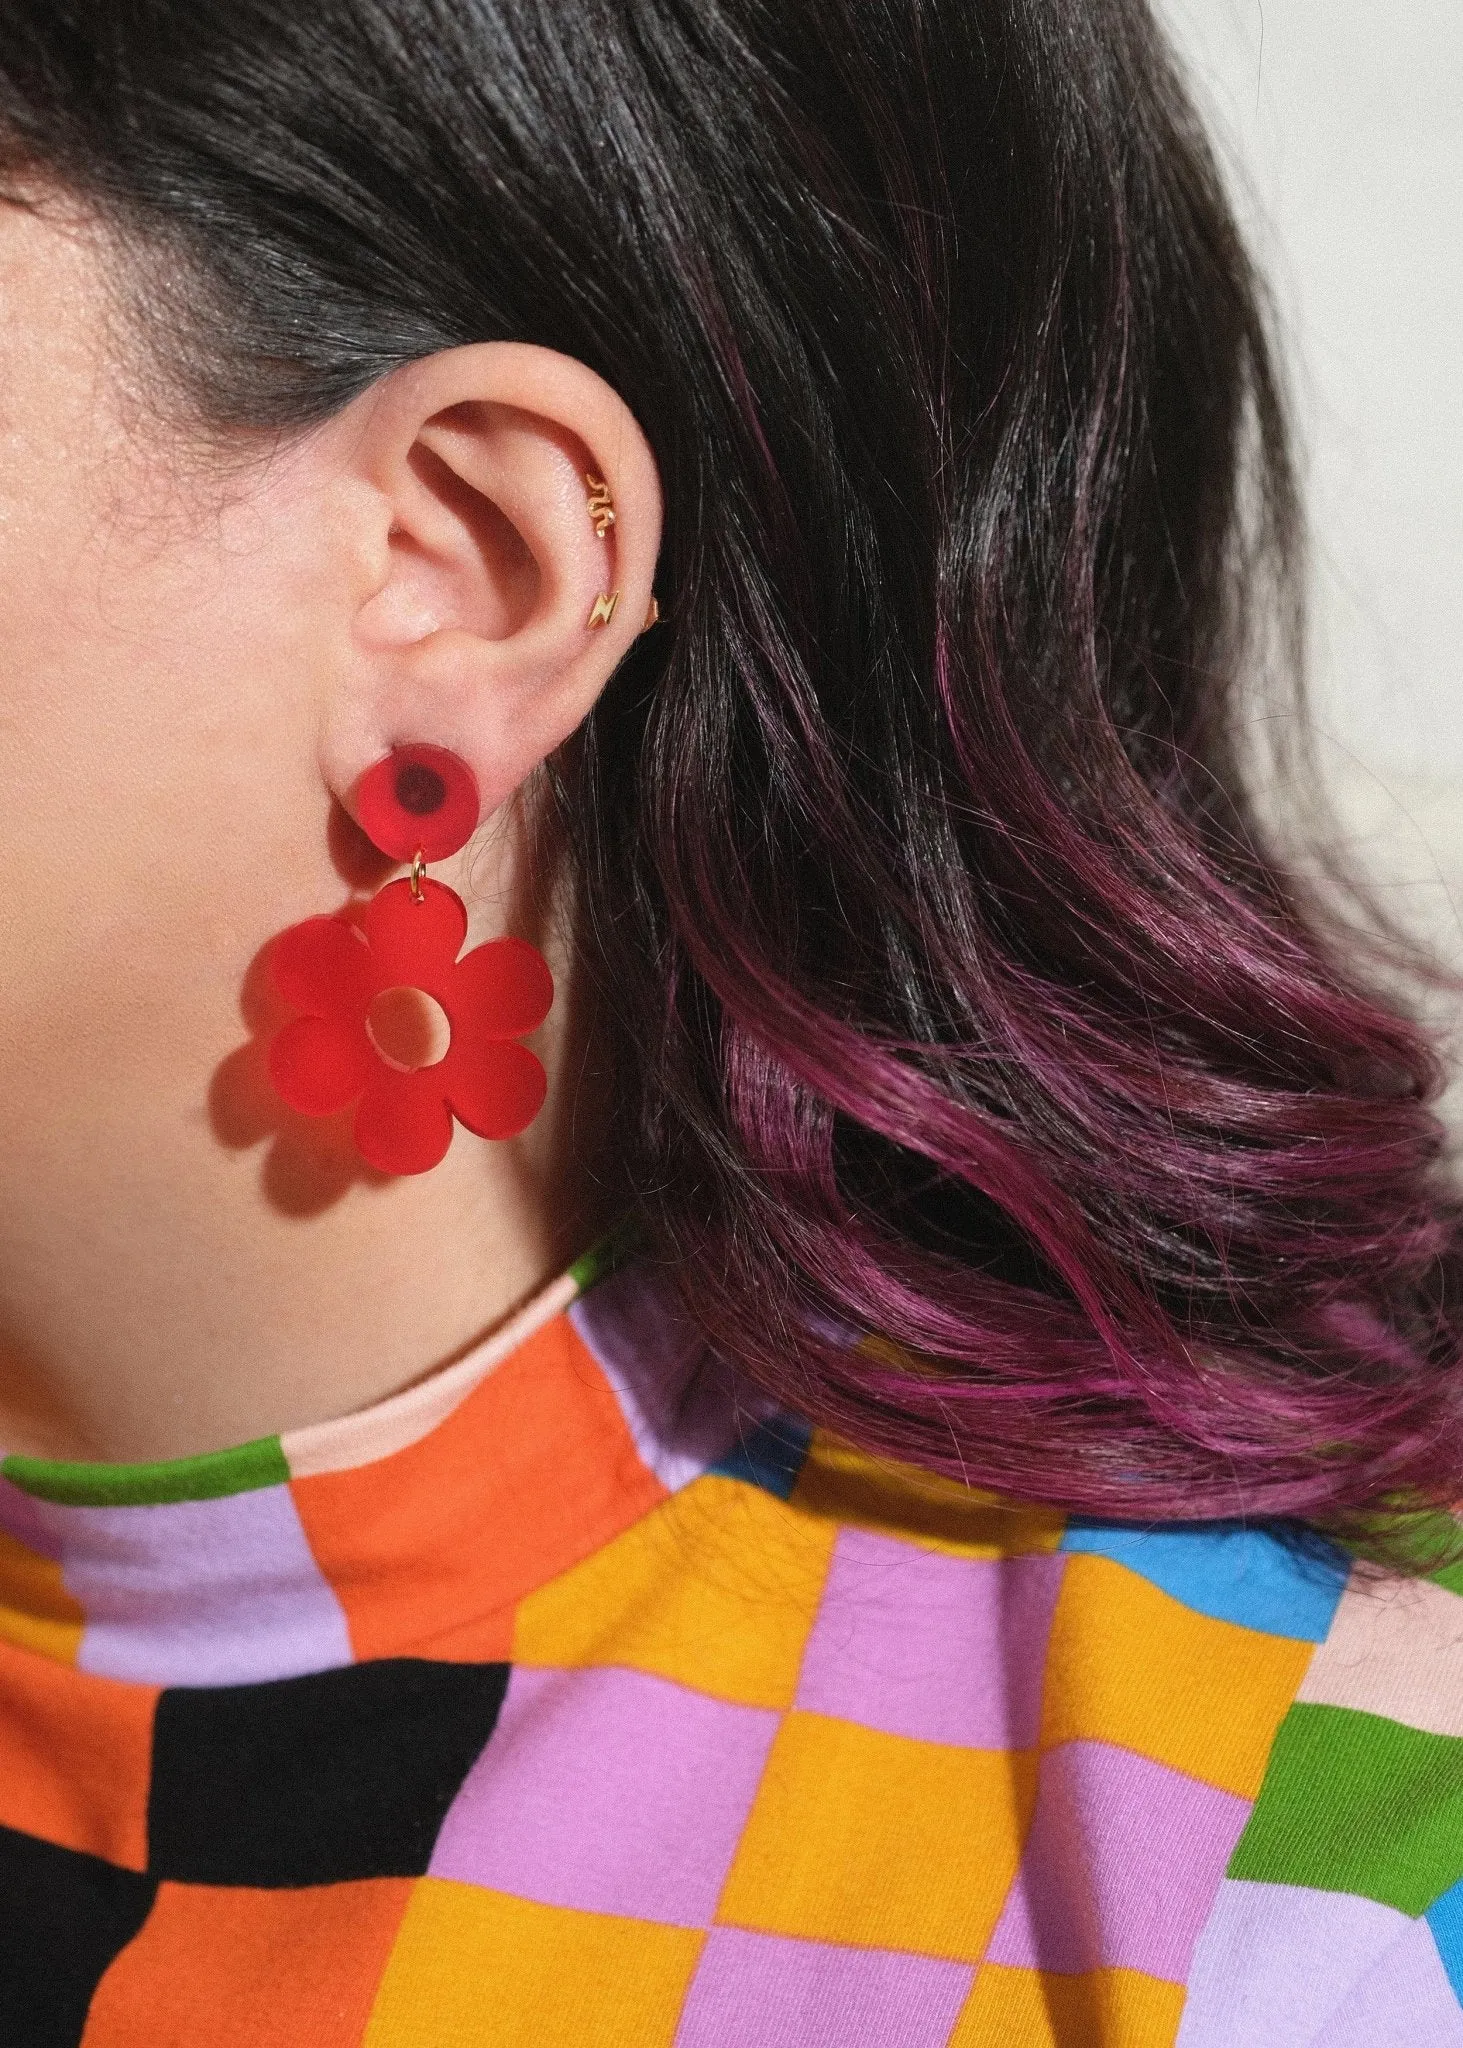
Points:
[[315, 1780], [63, 1917]]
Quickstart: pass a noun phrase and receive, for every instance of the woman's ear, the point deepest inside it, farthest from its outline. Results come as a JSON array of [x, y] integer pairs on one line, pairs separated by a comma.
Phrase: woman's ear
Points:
[[508, 513]]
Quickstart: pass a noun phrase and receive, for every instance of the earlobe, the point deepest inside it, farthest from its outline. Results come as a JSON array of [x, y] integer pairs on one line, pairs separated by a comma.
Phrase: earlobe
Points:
[[517, 514]]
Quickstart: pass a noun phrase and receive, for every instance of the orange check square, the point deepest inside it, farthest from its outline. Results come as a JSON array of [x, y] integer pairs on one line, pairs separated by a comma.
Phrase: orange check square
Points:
[[416, 1546], [78, 1756], [250, 1969]]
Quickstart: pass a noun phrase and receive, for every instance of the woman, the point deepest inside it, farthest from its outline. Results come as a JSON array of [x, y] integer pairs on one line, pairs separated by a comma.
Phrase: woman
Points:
[[771, 508]]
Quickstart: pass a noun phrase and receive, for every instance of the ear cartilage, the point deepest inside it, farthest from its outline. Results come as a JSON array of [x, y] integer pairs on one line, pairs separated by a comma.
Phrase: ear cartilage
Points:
[[604, 608], [601, 504]]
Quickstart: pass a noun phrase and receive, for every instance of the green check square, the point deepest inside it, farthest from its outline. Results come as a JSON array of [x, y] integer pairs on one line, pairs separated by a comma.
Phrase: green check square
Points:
[[1355, 1803]]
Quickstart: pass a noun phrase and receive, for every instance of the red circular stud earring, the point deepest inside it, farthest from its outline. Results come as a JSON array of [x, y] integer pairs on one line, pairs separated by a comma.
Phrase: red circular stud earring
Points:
[[419, 803]]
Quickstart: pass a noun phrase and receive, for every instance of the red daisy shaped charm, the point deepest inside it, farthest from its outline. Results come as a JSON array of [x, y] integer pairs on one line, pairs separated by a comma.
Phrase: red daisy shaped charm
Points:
[[325, 1058]]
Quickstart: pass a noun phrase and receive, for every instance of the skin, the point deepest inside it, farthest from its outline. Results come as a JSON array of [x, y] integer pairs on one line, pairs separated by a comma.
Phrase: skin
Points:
[[201, 656]]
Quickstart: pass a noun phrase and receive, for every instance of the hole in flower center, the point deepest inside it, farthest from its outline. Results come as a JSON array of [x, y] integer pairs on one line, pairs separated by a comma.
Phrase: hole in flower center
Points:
[[408, 1028]]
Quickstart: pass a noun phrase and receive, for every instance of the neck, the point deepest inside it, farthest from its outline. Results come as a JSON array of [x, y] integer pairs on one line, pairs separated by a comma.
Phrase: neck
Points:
[[175, 1279]]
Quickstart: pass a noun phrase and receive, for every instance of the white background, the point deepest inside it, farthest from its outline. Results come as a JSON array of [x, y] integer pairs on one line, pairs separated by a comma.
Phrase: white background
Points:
[[1341, 122]]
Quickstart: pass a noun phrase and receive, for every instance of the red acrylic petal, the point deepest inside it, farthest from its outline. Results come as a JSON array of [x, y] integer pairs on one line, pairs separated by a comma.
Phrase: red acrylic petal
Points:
[[402, 1123], [322, 968], [319, 1064], [418, 797], [496, 1090], [414, 945], [501, 990]]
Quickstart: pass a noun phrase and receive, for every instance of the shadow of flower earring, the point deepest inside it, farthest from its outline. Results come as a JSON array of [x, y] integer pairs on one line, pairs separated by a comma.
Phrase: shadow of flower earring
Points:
[[418, 804]]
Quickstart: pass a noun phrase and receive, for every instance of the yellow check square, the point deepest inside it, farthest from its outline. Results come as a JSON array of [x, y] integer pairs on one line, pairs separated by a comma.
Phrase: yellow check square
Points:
[[1129, 1665], [877, 1840], [717, 1589], [481, 1970]]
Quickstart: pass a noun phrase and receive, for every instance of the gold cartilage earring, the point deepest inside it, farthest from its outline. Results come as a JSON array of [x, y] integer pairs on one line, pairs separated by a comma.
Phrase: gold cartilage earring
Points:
[[652, 617], [604, 608], [601, 504]]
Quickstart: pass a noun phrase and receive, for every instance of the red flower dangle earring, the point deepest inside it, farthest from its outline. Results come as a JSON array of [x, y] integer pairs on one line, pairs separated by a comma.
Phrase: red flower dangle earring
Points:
[[418, 804]]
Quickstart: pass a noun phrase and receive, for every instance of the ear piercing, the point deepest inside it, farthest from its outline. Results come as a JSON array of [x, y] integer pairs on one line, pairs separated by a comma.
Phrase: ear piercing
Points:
[[602, 515], [601, 504]]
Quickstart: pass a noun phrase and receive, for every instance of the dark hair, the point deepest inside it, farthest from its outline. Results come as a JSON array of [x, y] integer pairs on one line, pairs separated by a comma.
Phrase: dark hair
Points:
[[952, 995]]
